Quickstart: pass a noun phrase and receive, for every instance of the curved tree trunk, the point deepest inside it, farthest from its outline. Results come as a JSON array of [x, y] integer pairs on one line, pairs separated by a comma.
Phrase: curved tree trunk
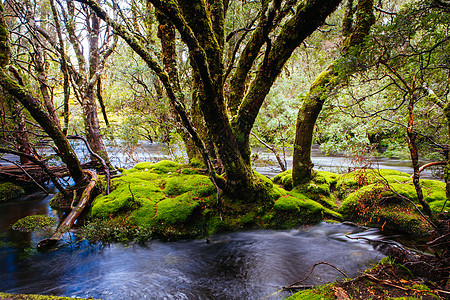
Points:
[[318, 93], [306, 120]]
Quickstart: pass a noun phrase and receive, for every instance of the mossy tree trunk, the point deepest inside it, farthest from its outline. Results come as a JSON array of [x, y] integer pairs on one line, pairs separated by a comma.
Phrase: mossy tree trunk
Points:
[[323, 86], [35, 108], [201, 27]]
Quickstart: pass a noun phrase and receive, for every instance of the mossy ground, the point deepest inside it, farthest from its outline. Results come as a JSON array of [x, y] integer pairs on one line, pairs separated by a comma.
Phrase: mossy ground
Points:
[[387, 280], [9, 191], [169, 200], [376, 198]]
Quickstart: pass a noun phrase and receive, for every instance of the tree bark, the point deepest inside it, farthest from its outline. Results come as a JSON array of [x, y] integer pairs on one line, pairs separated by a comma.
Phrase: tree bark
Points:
[[318, 93], [68, 222]]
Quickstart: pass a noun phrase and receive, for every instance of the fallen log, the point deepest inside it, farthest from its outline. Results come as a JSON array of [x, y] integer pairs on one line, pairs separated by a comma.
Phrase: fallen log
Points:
[[14, 172], [72, 216]]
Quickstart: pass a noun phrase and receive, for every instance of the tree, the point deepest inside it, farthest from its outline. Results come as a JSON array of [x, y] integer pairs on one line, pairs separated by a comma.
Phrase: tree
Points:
[[34, 106], [324, 85], [408, 57], [200, 25]]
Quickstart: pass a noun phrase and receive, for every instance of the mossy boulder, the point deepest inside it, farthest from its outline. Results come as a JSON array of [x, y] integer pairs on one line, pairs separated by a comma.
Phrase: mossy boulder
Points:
[[9, 191], [290, 211], [33, 223], [155, 195]]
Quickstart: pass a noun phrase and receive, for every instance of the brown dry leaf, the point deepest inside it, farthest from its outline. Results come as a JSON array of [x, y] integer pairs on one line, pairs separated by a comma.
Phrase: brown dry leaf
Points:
[[340, 293]]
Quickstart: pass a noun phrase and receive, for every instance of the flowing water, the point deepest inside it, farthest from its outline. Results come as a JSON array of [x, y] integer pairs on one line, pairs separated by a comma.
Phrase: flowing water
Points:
[[239, 265]]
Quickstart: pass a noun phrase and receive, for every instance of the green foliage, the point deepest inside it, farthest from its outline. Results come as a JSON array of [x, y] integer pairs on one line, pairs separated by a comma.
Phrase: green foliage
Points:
[[115, 230], [34, 222], [10, 191]]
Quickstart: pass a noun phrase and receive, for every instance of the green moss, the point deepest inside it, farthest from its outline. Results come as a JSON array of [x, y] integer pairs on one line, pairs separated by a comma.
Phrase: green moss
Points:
[[178, 209], [34, 222], [284, 179], [129, 191], [10, 191], [33, 297], [376, 205], [162, 167], [200, 184], [324, 292], [349, 182], [182, 203], [294, 210]]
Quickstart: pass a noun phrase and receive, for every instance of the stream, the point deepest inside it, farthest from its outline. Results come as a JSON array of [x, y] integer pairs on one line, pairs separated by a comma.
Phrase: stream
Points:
[[239, 265]]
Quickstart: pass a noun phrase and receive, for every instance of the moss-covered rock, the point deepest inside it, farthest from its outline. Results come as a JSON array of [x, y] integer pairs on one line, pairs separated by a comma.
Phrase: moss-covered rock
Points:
[[290, 211], [34, 222], [9, 191], [284, 179]]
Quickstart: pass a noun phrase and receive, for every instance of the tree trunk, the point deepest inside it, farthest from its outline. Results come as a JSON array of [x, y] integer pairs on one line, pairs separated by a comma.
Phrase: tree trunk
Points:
[[306, 120], [319, 91], [415, 161], [20, 128], [92, 126]]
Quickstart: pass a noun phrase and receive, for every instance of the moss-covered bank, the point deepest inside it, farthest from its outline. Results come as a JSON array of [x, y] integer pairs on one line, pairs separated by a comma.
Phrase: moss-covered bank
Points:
[[9, 191], [376, 198], [387, 280], [169, 200]]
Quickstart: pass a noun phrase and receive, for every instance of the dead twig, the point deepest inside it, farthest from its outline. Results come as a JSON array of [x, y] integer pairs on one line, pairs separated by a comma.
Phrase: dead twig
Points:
[[310, 273]]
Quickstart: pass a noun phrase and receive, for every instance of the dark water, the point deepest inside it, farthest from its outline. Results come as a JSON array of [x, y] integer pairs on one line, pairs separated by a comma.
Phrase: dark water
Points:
[[241, 265]]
